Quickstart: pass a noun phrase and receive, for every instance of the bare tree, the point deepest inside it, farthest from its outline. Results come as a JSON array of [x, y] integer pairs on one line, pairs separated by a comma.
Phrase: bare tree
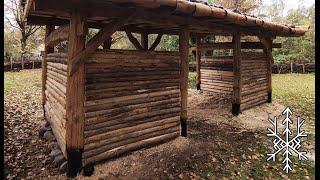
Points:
[[15, 19], [243, 6]]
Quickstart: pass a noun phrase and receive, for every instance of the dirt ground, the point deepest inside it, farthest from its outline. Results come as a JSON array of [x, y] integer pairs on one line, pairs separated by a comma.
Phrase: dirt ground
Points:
[[218, 146]]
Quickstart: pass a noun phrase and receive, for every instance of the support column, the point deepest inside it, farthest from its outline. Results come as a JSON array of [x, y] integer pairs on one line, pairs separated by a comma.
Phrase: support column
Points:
[[47, 50], [184, 63], [198, 64], [75, 95], [107, 43], [268, 52], [144, 41], [237, 79]]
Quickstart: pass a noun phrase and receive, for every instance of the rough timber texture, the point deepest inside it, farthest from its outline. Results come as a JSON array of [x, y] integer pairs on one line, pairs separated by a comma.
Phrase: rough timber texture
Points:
[[55, 92], [255, 79], [217, 74], [132, 100]]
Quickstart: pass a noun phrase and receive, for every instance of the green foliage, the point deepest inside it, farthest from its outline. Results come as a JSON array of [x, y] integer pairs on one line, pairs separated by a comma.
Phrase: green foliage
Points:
[[169, 43]]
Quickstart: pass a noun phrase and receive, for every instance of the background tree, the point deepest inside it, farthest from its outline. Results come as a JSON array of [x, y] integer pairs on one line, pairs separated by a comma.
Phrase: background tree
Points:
[[14, 17]]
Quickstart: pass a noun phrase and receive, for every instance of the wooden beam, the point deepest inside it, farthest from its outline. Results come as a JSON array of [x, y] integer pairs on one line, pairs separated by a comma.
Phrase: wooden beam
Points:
[[95, 42], [184, 66], [156, 42], [134, 41], [58, 35], [75, 95], [144, 41], [229, 45], [47, 50], [237, 80], [268, 51], [198, 59], [107, 43]]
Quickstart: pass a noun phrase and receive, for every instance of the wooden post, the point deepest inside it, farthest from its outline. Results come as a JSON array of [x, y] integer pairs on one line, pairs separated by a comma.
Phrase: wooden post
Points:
[[268, 52], [198, 63], [144, 41], [107, 43], [47, 50], [237, 80], [184, 63], [267, 43], [75, 95]]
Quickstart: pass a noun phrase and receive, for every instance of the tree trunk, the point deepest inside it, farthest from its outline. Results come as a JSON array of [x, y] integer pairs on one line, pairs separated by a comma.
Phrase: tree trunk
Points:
[[23, 48], [291, 67]]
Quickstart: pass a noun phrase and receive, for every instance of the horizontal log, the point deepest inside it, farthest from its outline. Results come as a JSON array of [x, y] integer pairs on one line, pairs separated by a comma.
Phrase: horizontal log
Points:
[[57, 54], [131, 97], [253, 97], [57, 84], [55, 104], [96, 147], [99, 86], [130, 147], [96, 135], [121, 119], [105, 148], [111, 105], [229, 45], [252, 104], [51, 69], [150, 86], [131, 107], [123, 113], [129, 92], [99, 70], [217, 90], [58, 66], [58, 132], [123, 74], [217, 81], [57, 77], [217, 87], [56, 95], [132, 78], [57, 60]]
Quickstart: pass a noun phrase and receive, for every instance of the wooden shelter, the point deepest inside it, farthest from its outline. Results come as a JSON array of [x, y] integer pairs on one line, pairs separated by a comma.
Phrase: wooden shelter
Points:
[[101, 103]]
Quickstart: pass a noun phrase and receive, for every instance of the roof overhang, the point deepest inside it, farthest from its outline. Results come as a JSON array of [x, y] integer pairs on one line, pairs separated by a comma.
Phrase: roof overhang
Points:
[[153, 16]]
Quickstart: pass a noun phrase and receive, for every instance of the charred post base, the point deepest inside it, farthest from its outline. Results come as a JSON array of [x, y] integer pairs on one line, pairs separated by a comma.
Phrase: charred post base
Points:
[[183, 127], [74, 162], [198, 87], [88, 170], [269, 97], [235, 109]]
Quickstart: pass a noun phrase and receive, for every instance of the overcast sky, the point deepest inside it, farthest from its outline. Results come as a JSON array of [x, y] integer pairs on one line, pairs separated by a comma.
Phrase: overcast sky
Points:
[[292, 4]]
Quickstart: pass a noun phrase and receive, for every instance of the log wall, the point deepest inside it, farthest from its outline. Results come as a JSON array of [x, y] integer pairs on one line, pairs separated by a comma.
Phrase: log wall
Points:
[[132, 100], [55, 105], [254, 77], [217, 74]]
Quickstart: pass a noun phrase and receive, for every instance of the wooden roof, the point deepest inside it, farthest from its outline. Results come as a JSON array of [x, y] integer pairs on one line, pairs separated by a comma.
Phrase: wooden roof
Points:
[[157, 16]]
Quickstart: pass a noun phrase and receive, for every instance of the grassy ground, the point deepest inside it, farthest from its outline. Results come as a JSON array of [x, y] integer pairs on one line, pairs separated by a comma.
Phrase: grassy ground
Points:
[[298, 92]]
